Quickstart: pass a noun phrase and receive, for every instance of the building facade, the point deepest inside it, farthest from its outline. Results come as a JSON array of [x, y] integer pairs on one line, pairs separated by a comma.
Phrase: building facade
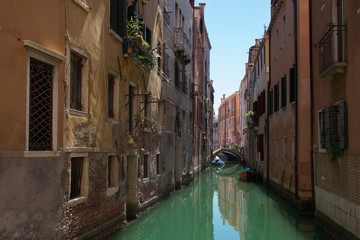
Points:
[[289, 166], [202, 101], [335, 138], [228, 121], [104, 127], [32, 66]]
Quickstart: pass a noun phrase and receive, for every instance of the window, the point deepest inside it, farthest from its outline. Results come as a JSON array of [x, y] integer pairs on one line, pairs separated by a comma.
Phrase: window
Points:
[[271, 102], [333, 126], [292, 84], [112, 173], [78, 177], [283, 91], [40, 106], [118, 17], [284, 148], [277, 43], [293, 148], [157, 163], [76, 63], [177, 75], [292, 17], [111, 85], [277, 148], [276, 97], [145, 167], [147, 35], [131, 106], [284, 30]]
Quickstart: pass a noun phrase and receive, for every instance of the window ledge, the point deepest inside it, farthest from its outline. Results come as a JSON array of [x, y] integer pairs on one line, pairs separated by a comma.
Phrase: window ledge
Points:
[[82, 5], [116, 36], [39, 154], [77, 201], [111, 191], [78, 113], [113, 121]]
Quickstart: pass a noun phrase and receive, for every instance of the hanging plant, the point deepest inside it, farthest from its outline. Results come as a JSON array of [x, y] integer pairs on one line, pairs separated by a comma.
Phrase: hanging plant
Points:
[[336, 151]]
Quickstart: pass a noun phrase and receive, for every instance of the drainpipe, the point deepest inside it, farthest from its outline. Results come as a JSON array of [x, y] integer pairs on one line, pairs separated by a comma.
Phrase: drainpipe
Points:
[[312, 111], [268, 117], [296, 102]]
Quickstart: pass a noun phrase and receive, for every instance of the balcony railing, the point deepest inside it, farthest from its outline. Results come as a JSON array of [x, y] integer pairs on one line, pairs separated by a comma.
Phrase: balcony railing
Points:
[[332, 57], [140, 53], [182, 44]]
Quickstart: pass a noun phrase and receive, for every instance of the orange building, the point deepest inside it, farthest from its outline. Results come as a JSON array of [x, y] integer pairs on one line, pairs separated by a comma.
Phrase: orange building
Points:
[[288, 166], [228, 120]]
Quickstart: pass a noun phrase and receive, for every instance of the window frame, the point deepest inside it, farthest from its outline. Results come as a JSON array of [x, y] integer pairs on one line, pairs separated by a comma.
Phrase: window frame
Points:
[[84, 182], [84, 83], [52, 58]]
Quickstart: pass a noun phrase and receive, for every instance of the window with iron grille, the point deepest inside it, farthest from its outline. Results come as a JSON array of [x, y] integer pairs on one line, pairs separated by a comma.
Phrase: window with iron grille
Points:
[[40, 107], [283, 91], [76, 177], [75, 81], [111, 85]]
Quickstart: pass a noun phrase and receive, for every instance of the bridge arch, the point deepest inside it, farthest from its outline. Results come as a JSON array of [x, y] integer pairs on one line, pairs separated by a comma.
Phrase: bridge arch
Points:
[[232, 153]]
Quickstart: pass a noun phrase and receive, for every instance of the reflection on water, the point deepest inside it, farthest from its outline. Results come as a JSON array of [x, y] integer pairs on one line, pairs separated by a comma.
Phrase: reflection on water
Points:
[[218, 206]]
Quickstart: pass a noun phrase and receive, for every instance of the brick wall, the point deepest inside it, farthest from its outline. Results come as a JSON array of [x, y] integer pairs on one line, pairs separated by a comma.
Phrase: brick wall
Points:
[[99, 208], [337, 190]]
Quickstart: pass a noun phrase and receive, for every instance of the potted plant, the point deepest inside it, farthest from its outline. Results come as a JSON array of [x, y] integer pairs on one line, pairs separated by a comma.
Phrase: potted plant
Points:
[[135, 33]]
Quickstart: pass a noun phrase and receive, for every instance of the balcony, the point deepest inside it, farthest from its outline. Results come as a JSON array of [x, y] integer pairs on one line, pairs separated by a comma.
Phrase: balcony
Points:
[[182, 45], [332, 59], [140, 53]]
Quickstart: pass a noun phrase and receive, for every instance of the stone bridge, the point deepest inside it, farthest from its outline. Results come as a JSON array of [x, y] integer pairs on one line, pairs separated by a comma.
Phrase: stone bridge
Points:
[[231, 155]]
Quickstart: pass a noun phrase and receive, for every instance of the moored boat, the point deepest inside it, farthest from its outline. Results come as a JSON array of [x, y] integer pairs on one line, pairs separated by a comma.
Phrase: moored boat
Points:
[[247, 175]]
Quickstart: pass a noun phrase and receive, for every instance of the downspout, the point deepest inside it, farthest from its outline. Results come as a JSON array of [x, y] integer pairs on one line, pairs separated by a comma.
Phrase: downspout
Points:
[[268, 117], [312, 111], [296, 102]]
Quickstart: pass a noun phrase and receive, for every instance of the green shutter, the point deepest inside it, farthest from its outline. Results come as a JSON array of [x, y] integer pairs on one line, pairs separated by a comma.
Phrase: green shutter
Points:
[[343, 125], [322, 128], [333, 125]]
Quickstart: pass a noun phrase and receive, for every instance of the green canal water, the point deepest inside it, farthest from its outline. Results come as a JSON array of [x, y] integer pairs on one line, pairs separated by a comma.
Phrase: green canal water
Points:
[[217, 206]]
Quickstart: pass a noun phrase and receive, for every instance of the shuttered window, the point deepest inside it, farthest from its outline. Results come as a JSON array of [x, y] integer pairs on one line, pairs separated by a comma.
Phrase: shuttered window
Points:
[[75, 81], [292, 84], [145, 167], [271, 102], [177, 75], [110, 96], [283, 91], [333, 126], [276, 97], [118, 17], [343, 125]]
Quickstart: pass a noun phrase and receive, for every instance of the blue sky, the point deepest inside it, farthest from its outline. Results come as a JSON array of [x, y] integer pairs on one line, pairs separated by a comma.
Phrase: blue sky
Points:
[[233, 26]]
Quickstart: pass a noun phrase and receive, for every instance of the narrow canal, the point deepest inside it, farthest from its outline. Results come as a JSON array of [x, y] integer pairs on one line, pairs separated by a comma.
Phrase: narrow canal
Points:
[[218, 206]]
